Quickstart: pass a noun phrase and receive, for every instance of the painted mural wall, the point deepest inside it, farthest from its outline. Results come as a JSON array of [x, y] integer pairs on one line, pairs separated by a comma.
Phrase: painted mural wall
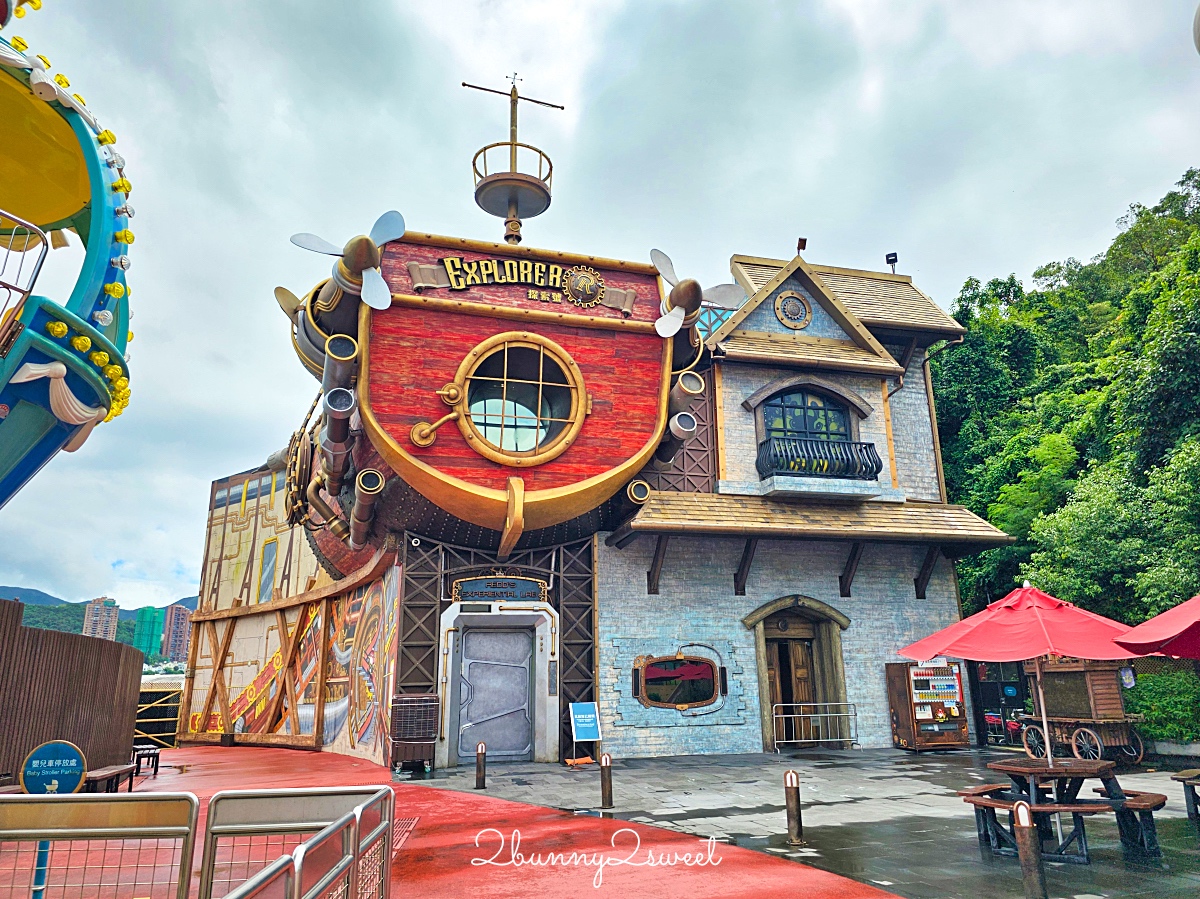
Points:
[[251, 554], [358, 678]]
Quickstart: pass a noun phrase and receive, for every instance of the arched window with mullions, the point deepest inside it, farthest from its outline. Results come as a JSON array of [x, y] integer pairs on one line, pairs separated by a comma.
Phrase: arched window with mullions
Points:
[[804, 414], [810, 434]]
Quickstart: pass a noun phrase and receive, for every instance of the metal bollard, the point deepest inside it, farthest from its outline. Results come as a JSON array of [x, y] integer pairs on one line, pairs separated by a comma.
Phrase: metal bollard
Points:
[[606, 800], [1029, 851], [791, 795], [481, 766]]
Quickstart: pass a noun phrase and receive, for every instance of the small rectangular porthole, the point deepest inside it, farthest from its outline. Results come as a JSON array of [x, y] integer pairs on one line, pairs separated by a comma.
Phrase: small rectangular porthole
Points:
[[481, 608], [552, 677]]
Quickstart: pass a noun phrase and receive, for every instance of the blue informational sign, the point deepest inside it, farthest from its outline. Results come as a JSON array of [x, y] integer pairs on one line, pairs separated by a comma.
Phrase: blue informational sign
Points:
[[54, 767], [585, 722], [1010, 690]]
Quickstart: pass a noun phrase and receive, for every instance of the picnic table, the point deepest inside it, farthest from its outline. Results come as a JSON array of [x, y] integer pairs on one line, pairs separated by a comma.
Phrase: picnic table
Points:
[[1055, 791], [1190, 780]]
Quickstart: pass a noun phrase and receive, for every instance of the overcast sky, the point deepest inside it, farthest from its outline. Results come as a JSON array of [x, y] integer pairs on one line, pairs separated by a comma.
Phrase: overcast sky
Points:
[[974, 139]]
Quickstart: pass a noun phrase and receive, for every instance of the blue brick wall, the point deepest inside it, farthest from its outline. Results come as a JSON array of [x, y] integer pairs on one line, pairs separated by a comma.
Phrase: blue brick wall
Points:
[[697, 604]]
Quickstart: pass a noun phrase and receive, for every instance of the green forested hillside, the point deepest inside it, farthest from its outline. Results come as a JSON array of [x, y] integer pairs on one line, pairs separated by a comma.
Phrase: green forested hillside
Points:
[[1070, 417]]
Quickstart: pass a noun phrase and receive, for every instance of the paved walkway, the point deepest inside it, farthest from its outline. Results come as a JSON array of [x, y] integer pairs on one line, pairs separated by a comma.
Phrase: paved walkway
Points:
[[883, 817], [446, 853]]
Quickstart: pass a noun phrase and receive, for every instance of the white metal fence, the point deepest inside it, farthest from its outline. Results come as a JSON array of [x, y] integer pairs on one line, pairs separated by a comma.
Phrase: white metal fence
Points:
[[99, 846], [803, 723], [332, 843]]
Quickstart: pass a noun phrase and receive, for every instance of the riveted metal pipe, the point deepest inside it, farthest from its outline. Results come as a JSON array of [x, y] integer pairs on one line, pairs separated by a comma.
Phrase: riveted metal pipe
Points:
[[339, 405], [341, 362], [336, 526], [688, 386], [367, 488], [681, 426]]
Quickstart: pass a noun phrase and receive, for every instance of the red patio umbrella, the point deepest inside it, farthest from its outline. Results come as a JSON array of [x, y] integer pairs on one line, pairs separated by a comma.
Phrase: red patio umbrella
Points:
[[1176, 632], [1026, 624]]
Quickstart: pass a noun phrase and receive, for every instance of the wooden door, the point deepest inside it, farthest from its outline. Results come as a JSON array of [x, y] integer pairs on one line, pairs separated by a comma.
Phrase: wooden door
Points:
[[789, 672]]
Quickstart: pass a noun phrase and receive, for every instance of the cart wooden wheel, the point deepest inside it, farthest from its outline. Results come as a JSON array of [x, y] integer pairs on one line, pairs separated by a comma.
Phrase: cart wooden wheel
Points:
[[1086, 744], [1134, 750], [1034, 741]]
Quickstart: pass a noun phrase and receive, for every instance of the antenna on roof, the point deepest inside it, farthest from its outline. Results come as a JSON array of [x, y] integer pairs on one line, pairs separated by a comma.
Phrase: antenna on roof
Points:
[[512, 194], [891, 259]]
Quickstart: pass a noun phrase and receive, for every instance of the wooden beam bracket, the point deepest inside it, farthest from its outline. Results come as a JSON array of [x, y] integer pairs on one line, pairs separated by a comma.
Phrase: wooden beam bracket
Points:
[[921, 581], [621, 537], [846, 579], [656, 566], [743, 570]]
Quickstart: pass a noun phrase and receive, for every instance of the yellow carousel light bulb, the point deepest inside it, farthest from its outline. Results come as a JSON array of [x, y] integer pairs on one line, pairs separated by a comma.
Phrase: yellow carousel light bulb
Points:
[[112, 372], [115, 289], [129, 337], [123, 236], [106, 137], [61, 80], [79, 100], [57, 329], [120, 383], [44, 60], [99, 358], [81, 342], [19, 44], [122, 186]]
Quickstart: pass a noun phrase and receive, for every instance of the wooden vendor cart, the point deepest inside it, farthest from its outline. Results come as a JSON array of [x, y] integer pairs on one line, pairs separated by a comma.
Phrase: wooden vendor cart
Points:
[[1085, 711]]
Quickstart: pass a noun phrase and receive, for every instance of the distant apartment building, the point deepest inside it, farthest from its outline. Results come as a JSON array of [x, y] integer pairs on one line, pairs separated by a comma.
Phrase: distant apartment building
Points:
[[177, 630], [100, 618], [148, 630]]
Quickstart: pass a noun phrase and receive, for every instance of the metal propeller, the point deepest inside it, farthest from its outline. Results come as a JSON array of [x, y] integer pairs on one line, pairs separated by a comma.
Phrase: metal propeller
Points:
[[360, 256], [726, 296]]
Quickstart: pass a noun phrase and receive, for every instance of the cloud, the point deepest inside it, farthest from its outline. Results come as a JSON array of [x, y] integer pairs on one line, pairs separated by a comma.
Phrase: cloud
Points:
[[974, 139]]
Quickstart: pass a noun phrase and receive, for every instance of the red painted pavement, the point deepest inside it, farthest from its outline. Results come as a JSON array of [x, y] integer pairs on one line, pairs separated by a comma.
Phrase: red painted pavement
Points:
[[441, 859]]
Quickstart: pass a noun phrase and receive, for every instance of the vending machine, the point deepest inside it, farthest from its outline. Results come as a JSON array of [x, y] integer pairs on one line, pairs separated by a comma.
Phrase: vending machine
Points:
[[927, 707]]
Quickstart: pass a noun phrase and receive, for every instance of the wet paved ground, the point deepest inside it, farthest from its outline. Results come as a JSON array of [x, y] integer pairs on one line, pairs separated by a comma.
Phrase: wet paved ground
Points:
[[882, 817]]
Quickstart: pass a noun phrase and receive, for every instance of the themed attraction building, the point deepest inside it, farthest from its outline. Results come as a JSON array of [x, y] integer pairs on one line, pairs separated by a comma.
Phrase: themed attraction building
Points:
[[519, 495], [532, 478]]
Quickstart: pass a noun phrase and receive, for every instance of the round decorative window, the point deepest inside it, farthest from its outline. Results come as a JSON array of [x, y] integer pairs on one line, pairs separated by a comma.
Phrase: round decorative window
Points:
[[793, 310], [522, 400]]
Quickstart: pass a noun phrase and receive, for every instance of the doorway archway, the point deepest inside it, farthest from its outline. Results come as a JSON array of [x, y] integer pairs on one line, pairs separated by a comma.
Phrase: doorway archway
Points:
[[798, 654]]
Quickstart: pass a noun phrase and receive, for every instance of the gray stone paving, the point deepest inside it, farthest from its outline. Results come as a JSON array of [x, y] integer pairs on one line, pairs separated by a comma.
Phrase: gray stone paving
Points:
[[879, 816]]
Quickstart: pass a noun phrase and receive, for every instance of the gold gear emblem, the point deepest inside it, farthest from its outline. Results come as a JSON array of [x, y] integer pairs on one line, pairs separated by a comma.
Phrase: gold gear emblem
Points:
[[583, 286]]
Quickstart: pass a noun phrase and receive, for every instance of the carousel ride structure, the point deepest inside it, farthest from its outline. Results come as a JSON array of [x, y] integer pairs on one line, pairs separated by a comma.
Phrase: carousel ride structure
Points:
[[63, 366]]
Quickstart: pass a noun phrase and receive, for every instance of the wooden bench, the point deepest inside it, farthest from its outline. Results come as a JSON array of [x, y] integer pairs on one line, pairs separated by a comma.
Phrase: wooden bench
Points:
[[987, 799], [147, 754], [1190, 780], [111, 776]]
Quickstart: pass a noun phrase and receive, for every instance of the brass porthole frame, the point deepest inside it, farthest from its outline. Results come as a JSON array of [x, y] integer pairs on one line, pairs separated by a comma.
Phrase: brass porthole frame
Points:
[[640, 664], [785, 295], [474, 437]]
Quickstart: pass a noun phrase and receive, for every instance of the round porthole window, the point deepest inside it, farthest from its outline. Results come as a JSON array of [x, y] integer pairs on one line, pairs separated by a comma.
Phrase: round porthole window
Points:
[[522, 399]]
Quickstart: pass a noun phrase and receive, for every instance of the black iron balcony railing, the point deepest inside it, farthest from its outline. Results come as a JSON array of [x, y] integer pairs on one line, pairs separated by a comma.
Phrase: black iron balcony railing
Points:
[[804, 457]]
